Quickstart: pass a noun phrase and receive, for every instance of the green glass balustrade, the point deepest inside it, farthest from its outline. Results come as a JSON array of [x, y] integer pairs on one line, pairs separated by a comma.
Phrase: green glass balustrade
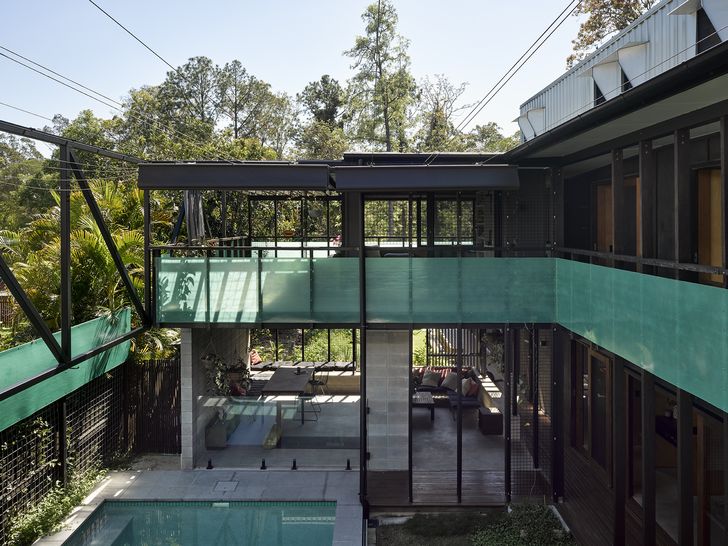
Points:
[[30, 359]]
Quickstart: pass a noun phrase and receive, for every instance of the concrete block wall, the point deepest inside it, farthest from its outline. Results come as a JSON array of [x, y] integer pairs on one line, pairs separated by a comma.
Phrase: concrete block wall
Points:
[[387, 377], [197, 408]]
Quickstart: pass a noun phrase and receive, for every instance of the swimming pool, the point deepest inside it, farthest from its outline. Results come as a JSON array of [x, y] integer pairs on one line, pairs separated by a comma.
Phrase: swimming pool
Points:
[[201, 523]]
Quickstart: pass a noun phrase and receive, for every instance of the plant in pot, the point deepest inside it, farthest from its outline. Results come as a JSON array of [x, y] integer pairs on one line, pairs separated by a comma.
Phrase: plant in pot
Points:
[[226, 378]]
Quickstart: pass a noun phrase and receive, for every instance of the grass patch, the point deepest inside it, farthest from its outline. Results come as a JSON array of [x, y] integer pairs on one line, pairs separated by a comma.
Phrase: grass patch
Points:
[[526, 525], [47, 515]]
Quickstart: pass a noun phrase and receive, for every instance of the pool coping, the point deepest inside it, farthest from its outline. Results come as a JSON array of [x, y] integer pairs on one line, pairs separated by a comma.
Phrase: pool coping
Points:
[[222, 485]]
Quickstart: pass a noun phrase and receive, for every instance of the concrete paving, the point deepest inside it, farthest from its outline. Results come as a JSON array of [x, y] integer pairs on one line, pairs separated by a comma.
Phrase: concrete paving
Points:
[[229, 485]]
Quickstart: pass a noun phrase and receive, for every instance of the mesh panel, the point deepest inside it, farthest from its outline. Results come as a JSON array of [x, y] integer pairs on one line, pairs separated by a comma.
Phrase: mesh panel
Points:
[[526, 216], [29, 450]]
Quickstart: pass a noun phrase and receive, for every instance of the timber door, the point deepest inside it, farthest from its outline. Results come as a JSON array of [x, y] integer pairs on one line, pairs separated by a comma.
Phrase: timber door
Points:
[[710, 239]]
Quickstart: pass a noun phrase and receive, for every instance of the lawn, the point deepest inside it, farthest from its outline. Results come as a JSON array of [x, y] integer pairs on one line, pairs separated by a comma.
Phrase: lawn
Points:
[[526, 525]]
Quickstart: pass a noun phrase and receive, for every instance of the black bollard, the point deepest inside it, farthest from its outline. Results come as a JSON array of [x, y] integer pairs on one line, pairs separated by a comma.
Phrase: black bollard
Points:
[[348, 464], [294, 467], [209, 464], [262, 465]]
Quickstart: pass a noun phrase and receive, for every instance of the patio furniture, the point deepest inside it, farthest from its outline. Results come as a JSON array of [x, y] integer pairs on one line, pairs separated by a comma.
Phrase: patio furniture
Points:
[[424, 400], [319, 383], [490, 420], [288, 381]]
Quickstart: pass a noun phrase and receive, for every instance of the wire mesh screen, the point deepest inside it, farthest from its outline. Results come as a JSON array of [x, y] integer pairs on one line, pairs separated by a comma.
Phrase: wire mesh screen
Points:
[[484, 219], [531, 427], [30, 460], [526, 216], [442, 347], [28, 463]]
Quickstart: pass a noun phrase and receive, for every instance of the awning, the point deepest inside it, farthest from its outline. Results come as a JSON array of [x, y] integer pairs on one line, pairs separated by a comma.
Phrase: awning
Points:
[[233, 176], [426, 177]]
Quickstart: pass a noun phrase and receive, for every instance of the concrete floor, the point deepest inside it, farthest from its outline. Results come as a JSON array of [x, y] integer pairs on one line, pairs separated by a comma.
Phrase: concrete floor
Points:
[[326, 443], [229, 485], [434, 443]]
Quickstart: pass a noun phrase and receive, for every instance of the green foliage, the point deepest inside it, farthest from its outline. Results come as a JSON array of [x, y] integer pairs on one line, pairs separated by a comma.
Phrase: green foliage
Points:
[[419, 347], [47, 515], [526, 525], [383, 90], [604, 17]]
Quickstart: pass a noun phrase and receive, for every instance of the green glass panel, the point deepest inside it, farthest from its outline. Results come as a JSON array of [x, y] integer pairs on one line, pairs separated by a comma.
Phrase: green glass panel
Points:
[[436, 295], [507, 290], [675, 329], [181, 290], [286, 284], [336, 290], [30, 359], [387, 290], [233, 287]]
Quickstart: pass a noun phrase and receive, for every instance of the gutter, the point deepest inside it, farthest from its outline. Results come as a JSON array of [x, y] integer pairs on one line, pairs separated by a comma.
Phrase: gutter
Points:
[[689, 74]]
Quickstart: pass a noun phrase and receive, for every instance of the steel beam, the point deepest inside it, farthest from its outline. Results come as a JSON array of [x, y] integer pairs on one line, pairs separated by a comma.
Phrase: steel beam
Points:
[[109, 240], [29, 132]]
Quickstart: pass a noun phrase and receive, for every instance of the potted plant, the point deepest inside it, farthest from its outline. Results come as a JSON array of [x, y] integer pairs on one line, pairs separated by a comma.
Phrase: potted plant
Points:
[[225, 377]]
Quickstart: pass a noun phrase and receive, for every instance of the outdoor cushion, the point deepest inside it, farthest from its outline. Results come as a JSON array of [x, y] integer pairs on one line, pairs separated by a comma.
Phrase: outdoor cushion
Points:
[[431, 379], [450, 381], [470, 387]]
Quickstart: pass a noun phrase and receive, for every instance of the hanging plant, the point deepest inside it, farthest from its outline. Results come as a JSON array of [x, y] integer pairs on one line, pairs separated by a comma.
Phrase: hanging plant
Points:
[[225, 378]]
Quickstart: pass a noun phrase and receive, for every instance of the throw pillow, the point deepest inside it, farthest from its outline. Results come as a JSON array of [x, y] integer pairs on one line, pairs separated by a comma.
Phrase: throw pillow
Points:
[[450, 381], [431, 379], [474, 387]]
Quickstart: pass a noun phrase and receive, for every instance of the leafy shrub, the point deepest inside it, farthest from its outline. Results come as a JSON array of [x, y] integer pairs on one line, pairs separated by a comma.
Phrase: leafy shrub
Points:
[[527, 525], [48, 514]]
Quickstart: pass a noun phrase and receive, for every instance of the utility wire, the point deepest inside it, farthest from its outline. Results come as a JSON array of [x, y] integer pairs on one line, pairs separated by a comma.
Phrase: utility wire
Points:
[[106, 101], [512, 71], [130, 33]]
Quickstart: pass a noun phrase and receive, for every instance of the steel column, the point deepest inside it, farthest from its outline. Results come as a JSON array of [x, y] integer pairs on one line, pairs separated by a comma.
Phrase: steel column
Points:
[[148, 277], [647, 195], [648, 458], [65, 292], [619, 233], [507, 394], [683, 250], [459, 371], [558, 360], [685, 467], [619, 449], [724, 191], [534, 395]]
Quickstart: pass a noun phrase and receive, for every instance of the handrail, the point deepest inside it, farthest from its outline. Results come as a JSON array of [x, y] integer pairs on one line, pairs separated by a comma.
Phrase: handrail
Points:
[[203, 248], [655, 262]]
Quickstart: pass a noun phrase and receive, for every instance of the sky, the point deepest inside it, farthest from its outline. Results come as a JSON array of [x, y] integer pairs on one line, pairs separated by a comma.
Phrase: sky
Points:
[[287, 43]]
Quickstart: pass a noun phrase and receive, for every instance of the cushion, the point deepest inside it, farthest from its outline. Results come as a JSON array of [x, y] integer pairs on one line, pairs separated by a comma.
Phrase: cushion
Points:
[[450, 381], [431, 379], [474, 387]]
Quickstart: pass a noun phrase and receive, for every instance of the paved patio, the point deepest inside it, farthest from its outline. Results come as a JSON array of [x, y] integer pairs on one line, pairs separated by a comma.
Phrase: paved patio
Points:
[[230, 485]]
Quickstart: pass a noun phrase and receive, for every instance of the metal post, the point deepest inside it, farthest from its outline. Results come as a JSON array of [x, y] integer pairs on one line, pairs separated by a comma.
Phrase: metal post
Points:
[[685, 467], [459, 371], [147, 256], [619, 449], [65, 293], [647, 243], [534, 391], [724, 193], [558, 360], [363, 371], [409, 414], [682, 198], [619, 234], [507, 394], [63, 442], [648, 457]]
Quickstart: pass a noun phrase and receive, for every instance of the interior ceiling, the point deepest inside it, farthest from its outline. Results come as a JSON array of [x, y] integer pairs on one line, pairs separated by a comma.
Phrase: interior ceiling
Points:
[[698, 97]]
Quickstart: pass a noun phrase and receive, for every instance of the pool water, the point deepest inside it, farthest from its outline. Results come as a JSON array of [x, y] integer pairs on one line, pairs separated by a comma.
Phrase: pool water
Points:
[[137, 523]]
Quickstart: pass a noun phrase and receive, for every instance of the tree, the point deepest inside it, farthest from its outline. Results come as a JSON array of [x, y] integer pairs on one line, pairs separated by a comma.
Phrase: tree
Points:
[[604, 18], [243, 99], [323, 100], [438, 105], [488, 138], [321, 140], [188, 97], [382, 91]]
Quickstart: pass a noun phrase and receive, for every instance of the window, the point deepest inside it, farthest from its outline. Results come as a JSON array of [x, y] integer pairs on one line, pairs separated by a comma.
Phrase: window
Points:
[[591, 398], [626, 84]]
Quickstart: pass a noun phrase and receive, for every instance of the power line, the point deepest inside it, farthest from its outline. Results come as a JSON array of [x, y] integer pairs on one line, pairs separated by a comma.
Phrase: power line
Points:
[[512, 71], [142, 118], [130, 33]]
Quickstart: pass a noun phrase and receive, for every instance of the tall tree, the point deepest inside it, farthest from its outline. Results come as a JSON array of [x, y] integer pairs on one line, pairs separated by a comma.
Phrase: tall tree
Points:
[[243, 99], [604, 17], [438, 106], [323, 100], [489, 138], [383, 89]]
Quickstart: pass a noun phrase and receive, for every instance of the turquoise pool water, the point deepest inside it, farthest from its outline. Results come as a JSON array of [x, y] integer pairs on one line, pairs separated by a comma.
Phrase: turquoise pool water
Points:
[[142, 523]]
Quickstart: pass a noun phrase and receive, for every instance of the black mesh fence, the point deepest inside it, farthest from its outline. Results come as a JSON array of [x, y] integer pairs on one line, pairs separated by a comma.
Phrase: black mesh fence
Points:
[[531, 420]]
